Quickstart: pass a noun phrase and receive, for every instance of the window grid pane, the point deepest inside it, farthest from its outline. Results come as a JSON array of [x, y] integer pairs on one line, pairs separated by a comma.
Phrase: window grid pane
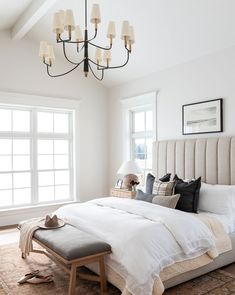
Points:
[[50, 122], [54, 161], [18, 143], [142, 139]]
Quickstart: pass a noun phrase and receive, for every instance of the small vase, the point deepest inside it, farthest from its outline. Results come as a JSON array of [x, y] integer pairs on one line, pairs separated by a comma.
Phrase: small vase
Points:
[[133, 188]]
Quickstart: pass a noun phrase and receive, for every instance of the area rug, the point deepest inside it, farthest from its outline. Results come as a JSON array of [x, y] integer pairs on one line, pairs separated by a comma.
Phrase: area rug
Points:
[[12, 267]]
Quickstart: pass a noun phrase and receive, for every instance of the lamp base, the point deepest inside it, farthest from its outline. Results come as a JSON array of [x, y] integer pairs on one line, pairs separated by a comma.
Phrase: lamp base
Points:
[[127, 181]]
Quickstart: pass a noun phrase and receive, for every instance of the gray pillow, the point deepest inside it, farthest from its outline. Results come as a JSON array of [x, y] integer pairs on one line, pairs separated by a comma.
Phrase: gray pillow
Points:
[[141, 196], [166, 201], [149, 183]]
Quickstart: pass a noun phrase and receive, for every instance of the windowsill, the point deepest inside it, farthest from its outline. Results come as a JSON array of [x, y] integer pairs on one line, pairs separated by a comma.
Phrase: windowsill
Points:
[[15, 211]]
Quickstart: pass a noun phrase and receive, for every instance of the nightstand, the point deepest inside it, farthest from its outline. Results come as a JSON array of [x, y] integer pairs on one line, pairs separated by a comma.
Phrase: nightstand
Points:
[[122, 193]]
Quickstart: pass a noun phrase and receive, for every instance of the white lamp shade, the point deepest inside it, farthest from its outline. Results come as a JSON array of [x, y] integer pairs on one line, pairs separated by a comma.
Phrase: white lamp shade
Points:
[[69, 20], [111, 30], [130, 167], [125, 30], [78, 34], [57, 24], [98, 55], [51, 54], [132, 35], [95, 14], [62, 17], [107, 55], [43, 50]]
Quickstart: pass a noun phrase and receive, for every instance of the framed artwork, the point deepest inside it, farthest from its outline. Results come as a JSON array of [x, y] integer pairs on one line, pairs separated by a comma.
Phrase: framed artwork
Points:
[[202, 117], [119, 183]]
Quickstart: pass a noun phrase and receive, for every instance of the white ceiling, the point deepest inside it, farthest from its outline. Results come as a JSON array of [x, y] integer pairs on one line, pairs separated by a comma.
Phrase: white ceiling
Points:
[[168, 32], [10, 11]]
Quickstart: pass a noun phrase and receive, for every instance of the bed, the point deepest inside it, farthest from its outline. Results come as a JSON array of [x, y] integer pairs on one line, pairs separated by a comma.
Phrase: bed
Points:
[[211, 158]]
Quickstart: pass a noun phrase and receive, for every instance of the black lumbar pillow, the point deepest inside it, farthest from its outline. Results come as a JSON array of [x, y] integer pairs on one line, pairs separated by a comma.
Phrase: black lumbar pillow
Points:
[[141, 196], [165, 178], [150, 181], [189, 194]]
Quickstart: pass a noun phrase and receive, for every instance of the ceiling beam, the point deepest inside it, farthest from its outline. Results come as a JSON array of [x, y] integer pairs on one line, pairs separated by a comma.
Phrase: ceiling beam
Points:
[[35, 11]]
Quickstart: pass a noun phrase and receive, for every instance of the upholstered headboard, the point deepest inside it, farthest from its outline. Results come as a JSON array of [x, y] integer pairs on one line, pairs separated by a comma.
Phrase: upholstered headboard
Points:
[[211, 158]]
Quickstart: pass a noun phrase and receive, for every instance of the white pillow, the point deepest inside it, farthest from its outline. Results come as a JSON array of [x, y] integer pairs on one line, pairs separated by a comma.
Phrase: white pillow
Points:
[[219, 199]]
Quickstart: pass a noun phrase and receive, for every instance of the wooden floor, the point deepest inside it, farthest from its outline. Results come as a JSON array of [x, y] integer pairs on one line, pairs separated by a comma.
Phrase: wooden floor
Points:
[[11, 236]]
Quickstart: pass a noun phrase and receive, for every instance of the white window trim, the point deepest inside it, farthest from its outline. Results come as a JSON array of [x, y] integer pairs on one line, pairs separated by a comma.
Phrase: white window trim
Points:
[[12, 216], [139, 102]]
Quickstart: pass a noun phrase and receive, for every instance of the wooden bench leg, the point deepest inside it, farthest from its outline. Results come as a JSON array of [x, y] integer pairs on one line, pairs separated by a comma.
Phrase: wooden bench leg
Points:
[[72, 280], [103, 283], [23, 256]]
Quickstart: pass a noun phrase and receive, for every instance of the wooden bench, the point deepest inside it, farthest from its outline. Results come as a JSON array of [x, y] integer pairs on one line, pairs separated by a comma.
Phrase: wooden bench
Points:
[[70, 248]]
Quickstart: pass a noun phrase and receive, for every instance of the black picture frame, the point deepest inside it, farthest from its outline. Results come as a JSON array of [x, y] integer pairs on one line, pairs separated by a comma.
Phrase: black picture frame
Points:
[[209, 124]]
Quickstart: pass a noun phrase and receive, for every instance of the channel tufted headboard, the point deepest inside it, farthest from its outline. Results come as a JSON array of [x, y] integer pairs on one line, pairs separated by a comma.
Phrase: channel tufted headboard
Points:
[[211, 158]]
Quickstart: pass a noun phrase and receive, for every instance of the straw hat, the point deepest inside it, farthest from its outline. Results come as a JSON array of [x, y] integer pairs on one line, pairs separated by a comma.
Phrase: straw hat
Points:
[[52, 222]]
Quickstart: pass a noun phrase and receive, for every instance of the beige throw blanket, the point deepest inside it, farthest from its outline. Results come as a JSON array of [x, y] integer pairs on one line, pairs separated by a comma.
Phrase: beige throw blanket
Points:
[[27, 229]]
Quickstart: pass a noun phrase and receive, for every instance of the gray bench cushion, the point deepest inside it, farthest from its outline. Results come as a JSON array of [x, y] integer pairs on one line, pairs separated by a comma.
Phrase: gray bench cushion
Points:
[[70, 242]]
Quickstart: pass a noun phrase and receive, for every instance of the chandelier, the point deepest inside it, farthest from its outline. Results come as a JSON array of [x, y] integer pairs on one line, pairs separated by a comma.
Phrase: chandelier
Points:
[[67, 33]]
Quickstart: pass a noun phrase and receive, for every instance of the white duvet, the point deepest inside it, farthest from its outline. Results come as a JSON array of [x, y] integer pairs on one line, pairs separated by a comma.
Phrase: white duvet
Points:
[[145, 238]]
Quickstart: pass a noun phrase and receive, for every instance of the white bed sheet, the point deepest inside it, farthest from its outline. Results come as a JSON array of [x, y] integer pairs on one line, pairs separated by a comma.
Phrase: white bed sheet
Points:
[[227, 221]]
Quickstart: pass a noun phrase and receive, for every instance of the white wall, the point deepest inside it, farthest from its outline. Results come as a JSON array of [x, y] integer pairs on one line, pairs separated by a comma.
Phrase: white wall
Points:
[[22, 71], [211, 76]]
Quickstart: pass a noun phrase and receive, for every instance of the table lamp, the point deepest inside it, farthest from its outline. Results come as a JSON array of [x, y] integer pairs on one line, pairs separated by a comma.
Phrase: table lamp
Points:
[[129, 169]]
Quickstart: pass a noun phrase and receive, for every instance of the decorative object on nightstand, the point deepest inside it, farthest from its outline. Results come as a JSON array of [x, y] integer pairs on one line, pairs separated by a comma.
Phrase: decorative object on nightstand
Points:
[[129, 169], [133, 185], [122, 193], [119, 183]]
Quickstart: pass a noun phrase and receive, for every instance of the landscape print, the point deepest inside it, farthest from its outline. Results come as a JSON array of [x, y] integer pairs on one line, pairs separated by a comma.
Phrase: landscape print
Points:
[[203, 117]]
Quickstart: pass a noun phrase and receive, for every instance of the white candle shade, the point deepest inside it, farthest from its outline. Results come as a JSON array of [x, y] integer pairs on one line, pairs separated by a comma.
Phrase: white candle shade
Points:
[[57, 25], [78, 34], [51, 54], [130, 167], [107, 55], [98, 55], [62, 17], [95, 14], [132, 35], [111, 30], [43, 50], [125, 30], [69, 20]]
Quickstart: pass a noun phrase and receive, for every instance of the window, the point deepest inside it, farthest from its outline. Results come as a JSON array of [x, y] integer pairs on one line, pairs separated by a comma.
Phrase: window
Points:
[[141, 137], [36, 156]]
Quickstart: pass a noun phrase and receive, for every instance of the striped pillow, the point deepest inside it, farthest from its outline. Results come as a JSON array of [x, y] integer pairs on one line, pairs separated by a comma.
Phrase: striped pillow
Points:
[[163, 188]]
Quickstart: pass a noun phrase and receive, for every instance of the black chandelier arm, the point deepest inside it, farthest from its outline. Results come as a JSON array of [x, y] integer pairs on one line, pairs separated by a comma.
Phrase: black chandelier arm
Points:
[[98, 65], [123, 65], [97, 46], [98, 78], [116, 67], [65, 73], [65, 55], [69, 41], [77, 42], [95, 35], [80, 49]]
